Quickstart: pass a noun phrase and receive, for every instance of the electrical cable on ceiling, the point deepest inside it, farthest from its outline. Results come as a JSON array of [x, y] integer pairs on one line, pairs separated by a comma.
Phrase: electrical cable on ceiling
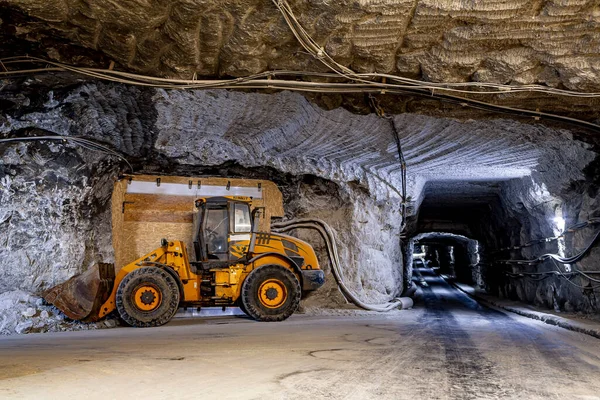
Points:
[[83, 142], [571, 229], [360, 79], [319, 53], [266, 78], [556, 257], [358, 83]]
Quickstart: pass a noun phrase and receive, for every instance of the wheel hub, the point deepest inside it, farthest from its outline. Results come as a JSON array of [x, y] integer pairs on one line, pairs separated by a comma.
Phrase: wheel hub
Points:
[[272, 293], [147, 297]]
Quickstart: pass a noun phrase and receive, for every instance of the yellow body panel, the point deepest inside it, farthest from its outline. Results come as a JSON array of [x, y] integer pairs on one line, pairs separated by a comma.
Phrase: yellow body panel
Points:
[[175, 256], [227, 281]]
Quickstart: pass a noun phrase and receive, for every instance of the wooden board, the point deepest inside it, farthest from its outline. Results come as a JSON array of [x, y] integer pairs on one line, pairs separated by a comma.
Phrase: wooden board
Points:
[[141, 220]]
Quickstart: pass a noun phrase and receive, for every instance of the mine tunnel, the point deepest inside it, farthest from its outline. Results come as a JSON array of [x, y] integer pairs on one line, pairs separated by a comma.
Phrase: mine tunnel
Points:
[[290, 200]]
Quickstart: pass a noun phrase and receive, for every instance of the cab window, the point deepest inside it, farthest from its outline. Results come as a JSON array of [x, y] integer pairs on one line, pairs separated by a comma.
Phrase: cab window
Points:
[[241, 219], [216, 230]]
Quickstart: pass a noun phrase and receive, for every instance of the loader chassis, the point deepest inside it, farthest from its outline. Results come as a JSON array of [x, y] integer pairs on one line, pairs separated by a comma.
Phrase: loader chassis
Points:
[[263, 273]]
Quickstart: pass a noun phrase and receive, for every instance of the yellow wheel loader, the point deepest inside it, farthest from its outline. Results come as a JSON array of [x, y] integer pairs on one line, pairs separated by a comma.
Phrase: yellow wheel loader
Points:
[[262, 273]]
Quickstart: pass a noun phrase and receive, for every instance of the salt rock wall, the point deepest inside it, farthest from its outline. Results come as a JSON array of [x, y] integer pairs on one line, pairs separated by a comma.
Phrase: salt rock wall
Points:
[[454, 255], [54, 216], [190, 132], [368, 235], [562, 185], [542, 206], [54, 223]]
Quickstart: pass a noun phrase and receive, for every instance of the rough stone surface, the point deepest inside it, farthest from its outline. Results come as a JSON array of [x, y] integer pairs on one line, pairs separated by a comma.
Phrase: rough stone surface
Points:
[[518, 41], [21, 312], [552, 43], [53, 214], [462, 262], [586, 323], [368, 234], [538, 208], [561, 192]]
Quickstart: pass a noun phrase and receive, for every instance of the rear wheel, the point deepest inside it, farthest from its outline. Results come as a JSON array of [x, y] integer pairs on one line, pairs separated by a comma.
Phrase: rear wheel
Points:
[[271, 293], [147, 296]]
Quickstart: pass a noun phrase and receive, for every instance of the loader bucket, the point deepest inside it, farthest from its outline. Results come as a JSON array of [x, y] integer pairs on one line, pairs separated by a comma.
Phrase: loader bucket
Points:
[[81, 297]]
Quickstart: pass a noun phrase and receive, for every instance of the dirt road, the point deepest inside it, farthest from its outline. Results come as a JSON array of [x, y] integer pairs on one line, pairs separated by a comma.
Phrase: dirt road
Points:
[[447, 347]]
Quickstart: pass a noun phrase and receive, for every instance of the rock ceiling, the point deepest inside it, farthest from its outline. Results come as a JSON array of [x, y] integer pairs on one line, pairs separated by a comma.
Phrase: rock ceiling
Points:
[[555, 43]]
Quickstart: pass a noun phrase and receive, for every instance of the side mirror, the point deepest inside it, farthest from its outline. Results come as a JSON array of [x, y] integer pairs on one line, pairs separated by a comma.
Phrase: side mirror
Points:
[[164, 242], [255, 215]]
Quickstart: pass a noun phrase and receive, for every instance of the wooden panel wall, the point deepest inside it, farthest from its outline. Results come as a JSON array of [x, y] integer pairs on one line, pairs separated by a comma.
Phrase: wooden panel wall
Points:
[[140, 221]]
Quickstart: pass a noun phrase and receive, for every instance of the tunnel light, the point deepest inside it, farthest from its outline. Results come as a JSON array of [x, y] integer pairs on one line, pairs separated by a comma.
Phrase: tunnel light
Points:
[[559, 222]]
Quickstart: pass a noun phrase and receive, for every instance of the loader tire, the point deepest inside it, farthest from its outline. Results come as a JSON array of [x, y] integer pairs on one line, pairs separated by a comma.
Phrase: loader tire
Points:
[[271, 293], [147, 296]]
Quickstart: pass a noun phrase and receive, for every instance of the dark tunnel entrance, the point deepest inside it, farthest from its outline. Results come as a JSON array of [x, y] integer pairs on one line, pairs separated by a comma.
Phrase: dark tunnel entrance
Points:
[[455, 256]]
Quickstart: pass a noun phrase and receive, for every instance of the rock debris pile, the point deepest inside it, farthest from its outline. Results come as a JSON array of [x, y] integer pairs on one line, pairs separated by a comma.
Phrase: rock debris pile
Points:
[[21, 312]]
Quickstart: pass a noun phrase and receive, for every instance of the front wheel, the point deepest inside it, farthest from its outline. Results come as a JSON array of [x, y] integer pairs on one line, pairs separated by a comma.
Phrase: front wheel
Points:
[[271, 293], [147, 296]]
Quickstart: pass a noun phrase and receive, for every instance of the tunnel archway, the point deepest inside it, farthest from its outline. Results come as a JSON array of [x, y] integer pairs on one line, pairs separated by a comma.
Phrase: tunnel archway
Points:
[[456, 256]]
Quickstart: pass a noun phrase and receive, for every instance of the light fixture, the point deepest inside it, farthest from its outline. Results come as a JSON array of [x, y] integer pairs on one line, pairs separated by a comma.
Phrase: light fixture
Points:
[[559, 222]]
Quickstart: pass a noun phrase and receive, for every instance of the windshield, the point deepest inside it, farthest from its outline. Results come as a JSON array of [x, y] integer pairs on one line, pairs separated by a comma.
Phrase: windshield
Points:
[[242, 222]]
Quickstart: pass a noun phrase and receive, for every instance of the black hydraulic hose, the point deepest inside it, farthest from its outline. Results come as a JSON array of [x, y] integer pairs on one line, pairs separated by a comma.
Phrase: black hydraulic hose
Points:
[[573, 228], [575, 258], [380, 112], [565, 275], [563, 260]]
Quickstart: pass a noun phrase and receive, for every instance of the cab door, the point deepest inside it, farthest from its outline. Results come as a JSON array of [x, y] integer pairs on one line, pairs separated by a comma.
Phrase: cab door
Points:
[[216, 231], [240, 229]]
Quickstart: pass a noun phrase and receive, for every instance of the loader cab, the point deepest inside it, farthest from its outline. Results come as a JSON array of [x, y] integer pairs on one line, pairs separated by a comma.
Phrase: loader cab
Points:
[[221, 222]]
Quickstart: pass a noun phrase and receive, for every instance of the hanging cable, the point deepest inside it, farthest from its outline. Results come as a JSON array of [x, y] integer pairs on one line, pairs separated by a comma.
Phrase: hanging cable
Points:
[[355, 83], [319, 53], [266, 79], [381, 113], [557, 272], [386, 183], [83, 142], [556, 257], [573, 228]]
